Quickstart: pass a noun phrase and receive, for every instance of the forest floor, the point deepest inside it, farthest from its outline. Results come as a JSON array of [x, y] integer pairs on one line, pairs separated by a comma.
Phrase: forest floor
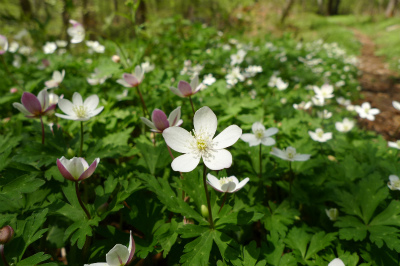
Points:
[[380, 86]]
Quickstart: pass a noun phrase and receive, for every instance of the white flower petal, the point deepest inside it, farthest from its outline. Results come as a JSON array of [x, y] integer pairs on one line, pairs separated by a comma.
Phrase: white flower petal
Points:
[[213, 181], [95, 112], [205, 120], [220, 159], [396, 105], [251, 139], [91, 102], [301, 157], [69, 117], [119, 253], [242, 184], [77, 99], [227, 137], [174, 116], [267, 141], [336, 262], [270, 131], [185, 163], [148, 123], [178, 139], [66, 106], [257, 126], [21, 108]]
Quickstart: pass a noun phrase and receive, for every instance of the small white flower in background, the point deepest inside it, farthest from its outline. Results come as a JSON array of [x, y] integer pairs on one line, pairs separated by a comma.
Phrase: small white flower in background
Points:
[[147, 67], [343, 101], [395, 145], [394, 182], [332, 214], [324, 114], [234, 76], [159, 121], [350, 107], [237, 58], [318, 101], [253, 94], [122, 95], [56, 79], [226, 47], [290, 154], [302, 106], [77, 32], [13, 47], [365, 111], [208, 80], [325, 92], [226, 184], [201, 144], [119, 255], [53, 98], [96, 78], [25, 50], [340, 83], [320, 136], [336, 262], [78, 109], [49, 47], [251, 71], [396, 105], [61, 43], [344, 126], [115, 58], [3, 44], [281, 85], [283, 100], [260, 135], [132, 80], [95, 46], [17, 61]]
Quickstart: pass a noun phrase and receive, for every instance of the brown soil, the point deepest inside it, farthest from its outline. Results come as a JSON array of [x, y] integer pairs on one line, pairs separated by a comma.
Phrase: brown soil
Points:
[[380, 86]]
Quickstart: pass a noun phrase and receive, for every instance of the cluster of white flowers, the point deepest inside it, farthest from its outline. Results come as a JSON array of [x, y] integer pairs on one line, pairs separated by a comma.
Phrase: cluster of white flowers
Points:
[[191, 70], [237, 59], [251, 71], [95, 46], [234, 76], [96, 78], [277, 82]]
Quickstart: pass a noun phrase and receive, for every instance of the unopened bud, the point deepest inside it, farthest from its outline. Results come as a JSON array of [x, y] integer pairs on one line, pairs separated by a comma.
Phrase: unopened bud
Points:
[[115, 58], [204, 211], [70, 153], [6, 234]]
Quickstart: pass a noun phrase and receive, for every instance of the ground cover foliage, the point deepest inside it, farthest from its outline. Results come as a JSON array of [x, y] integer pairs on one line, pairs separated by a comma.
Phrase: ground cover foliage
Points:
[[278, 218]]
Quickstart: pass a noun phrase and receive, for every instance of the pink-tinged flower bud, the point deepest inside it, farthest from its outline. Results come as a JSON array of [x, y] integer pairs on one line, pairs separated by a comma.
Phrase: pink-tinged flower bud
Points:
[[13, 90], [185, 89], [115, 58], [77, 168], [160, 121], [132, 80], [6, 234], [33, 106]]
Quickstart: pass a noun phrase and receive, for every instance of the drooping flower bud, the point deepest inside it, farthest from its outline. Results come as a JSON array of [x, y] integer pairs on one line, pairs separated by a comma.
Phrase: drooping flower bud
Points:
[[6, 234]]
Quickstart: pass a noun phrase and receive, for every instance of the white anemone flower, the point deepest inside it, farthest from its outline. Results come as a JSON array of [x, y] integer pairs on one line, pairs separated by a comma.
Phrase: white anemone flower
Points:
[[394, 182], [318, 101], [344, 126], [119, 255], [320, 136], [332, 214], [336, 262], [290, 154], [396, 105], [303, 105], [201, 144], [77, 31], [325, 92], [395, 145], [365, 111], [49, 47], [3, 44], [260, 135], [56, 79], [79, 110], [226, 184], [324, 114], [147, 67]]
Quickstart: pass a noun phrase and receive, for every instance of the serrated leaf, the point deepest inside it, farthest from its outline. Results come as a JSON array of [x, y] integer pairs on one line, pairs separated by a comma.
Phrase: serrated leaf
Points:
[[298, 239], [250, 254], [227, 246], [351, 228], [80, 230], [192, 230], [198, 251], [279, 218], [319, 241], [167, 235], [34, 259], [241, 217]]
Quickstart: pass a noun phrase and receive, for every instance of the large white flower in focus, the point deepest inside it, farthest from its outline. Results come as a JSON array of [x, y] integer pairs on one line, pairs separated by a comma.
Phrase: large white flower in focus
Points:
[[78, 109], [201, 144]]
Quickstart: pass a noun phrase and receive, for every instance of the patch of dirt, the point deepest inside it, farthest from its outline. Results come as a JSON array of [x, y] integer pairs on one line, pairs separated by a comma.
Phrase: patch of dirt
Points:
[[380, 86]]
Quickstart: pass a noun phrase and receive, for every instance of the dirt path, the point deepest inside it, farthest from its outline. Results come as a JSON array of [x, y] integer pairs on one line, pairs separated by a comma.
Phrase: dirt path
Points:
[[380, 86]]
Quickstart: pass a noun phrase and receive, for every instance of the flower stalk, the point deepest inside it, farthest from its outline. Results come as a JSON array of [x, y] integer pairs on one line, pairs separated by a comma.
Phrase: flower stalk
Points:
[[260, 175], [145, 111], [3, 257], [191, 103], [210, 217], [81, 146], [223, 202], [78, 194], [41, 121]]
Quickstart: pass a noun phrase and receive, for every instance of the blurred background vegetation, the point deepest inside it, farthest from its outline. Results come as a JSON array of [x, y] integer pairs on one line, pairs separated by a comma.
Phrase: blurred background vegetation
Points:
[[122, 20]]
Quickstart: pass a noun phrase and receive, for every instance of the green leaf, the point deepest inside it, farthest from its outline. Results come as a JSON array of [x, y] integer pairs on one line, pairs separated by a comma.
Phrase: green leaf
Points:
[[319, 241], [198, 251], [80, 230], [351, 228], [155, 157], [250, 254], [278, 218], [241, 217], [167, 235], [34, 259], [298, 239], [227, 246]]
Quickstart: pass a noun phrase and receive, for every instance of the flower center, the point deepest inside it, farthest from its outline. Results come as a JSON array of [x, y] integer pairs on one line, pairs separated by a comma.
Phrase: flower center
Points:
[[259, 133], [290, 155], [202, 144], [320, 134], [396, 184], [366, 110], [225, 180], [80, 111]]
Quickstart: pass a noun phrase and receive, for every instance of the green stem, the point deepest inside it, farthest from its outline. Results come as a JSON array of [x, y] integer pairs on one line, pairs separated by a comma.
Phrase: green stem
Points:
[[260, 175], [208, 198], [191, 103], [80, 200], [291, 182], [145, 112], [41, 121], [9, 74], [223, 202], [81, 147], [3, 256]]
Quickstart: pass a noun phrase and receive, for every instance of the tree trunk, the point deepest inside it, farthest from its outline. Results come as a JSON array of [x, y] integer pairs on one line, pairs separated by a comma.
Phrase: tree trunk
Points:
[[321, 7], [391, 8], [333, 7], [286, 10], [26, 9]]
